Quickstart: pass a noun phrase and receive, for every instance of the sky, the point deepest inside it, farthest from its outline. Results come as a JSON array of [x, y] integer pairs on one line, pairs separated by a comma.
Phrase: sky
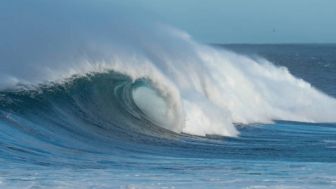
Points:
[[248, 21]]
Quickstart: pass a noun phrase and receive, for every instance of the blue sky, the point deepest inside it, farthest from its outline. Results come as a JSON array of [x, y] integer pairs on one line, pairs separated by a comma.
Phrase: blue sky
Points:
[[249, 21]]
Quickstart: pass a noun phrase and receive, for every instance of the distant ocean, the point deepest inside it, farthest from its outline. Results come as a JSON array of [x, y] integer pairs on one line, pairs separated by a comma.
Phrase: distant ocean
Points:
[[97, 94]]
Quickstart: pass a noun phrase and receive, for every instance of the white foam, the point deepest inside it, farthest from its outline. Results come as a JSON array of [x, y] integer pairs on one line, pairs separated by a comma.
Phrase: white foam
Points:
[[206, 89]]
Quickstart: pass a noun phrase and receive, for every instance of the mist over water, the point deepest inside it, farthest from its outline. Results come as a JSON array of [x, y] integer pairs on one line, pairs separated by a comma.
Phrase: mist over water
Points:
[[206, 90], [104, 87]]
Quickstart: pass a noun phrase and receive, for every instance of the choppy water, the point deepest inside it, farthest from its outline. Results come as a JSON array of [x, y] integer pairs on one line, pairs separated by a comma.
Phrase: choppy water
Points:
[[94, 94]]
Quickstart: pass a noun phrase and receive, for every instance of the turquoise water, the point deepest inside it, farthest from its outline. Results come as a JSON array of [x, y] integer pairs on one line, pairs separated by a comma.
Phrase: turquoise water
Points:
[[84, 134]]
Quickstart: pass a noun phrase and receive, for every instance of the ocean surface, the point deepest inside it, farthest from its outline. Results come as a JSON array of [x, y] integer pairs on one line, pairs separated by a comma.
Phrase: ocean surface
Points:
[[112, 129]]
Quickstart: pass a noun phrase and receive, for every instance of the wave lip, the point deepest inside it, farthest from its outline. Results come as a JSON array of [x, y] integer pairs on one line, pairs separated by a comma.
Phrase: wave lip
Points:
[[192, 88]]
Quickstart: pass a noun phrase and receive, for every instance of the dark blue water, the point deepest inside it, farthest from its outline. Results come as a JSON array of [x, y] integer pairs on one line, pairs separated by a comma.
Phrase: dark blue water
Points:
[[88, 133], [314, 63]]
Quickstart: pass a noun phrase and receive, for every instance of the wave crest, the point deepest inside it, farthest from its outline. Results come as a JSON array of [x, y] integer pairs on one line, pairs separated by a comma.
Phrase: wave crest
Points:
[[201, 90]]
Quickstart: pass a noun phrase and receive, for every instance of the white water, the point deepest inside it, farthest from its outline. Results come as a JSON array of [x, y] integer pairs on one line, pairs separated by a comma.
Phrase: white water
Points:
[[204, 90]]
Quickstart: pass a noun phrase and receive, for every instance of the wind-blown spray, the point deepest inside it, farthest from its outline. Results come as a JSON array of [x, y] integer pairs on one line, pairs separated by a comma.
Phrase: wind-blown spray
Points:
[[189, 87]]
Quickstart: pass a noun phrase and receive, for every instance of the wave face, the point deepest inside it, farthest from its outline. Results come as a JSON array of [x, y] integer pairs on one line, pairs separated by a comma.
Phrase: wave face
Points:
[[189, 87], [97, 94]]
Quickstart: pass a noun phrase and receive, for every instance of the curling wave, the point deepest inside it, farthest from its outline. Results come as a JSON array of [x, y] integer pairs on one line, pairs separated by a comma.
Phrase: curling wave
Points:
[[156, 74]]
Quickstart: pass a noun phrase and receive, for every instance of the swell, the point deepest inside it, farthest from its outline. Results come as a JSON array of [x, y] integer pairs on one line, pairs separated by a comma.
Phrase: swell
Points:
[[177, 83], [104, 101], [93, 115], [204, 95]]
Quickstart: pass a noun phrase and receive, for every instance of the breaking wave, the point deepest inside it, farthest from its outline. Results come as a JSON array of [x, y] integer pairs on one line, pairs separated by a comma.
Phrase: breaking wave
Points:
[[145, 75]]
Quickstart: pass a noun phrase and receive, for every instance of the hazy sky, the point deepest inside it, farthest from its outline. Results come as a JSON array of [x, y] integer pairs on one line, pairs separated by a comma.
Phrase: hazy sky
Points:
[[249, 21]]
